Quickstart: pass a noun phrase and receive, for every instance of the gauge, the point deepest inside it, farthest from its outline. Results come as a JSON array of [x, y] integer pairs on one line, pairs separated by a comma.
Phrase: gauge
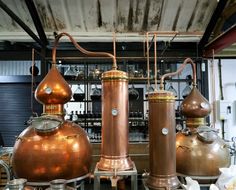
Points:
[[165, 131], [114, 112], [204, 105], [48, 90]]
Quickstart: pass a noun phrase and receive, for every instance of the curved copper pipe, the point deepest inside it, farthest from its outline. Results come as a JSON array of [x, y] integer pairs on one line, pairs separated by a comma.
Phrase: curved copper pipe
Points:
[[90, 53], [182, 66]]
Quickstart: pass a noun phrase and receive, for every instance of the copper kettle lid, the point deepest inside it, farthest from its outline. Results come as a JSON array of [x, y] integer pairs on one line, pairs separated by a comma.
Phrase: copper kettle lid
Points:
[[53, 89], [195, 105]]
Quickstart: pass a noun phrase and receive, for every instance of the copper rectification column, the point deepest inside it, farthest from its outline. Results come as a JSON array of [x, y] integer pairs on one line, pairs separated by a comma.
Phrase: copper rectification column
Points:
[[162, 141], [114, 148]]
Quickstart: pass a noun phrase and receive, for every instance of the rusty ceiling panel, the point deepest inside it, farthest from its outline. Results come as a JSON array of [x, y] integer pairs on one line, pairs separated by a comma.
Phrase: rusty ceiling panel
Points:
[[7, 24], [102, 17], [202, 14]]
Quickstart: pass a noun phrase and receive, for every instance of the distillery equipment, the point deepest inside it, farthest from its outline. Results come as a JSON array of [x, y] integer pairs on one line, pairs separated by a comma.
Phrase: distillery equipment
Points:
[[114, 147], [162, 141], [59, 184], [18, 184], [199, 150], [115, 109], [161, 126], [50, 147]]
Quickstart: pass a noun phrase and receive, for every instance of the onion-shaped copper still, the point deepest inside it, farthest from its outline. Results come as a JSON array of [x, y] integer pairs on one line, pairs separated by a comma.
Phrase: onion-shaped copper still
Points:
[[50, 147], [199, 150], [162, 155], [114, 147]]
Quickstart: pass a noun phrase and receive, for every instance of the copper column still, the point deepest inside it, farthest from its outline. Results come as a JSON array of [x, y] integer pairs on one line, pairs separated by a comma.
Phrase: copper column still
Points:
[[200, 151], [162, 157], [52, 148], [162, 141], [115, 135], [114, 148]]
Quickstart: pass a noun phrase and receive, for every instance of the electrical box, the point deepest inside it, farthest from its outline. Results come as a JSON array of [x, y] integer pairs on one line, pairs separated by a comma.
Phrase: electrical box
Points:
[[224, 109]]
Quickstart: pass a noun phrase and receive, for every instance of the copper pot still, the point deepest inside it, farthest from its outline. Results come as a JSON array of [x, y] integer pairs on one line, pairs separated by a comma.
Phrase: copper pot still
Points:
[[199, 150], [114, 146], [162, 157], [50, 147]]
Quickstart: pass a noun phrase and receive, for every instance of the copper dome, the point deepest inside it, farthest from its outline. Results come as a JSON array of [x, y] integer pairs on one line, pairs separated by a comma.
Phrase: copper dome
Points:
[[53, 89], [195, 105]]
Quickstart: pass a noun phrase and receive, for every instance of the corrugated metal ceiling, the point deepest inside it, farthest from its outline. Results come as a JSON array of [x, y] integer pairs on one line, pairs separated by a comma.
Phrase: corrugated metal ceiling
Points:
[[95, 20]]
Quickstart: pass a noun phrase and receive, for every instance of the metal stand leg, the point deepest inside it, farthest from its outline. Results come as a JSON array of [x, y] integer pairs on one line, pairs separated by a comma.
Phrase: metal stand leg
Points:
[[96, 184], [134, 182], [118, 174]]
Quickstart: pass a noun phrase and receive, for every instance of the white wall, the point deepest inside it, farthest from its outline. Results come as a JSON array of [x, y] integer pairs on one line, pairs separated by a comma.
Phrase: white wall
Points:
[[229, 91]]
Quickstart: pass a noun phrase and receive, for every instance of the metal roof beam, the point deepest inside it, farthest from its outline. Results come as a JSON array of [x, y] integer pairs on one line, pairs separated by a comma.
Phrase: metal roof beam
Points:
[[21, 23], [211, 25], [224, 40], [37, 22]]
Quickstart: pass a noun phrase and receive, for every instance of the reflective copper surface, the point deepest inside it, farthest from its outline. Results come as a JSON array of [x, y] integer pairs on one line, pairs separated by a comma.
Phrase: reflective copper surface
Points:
[[50, 147], [195, 105], [114, 147], [199, 158], [53, 89], [63, 153], [162, 141], [199, 153]]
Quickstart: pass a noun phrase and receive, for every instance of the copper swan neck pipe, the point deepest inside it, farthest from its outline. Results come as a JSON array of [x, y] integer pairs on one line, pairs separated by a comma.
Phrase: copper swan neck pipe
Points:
[[90, 53], [182, 66]]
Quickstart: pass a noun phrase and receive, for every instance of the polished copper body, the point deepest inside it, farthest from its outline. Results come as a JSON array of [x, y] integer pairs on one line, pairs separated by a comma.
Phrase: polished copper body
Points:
[[54, 148], [64, 153], [195, 105], [114, 147], [162, 141], [61, 92], [194, 155], [198, 158]]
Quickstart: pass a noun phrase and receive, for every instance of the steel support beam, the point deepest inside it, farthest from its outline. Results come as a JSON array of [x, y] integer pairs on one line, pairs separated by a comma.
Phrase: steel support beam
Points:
[[20, 22], [224, 40], [37, 22], [211, 25]]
